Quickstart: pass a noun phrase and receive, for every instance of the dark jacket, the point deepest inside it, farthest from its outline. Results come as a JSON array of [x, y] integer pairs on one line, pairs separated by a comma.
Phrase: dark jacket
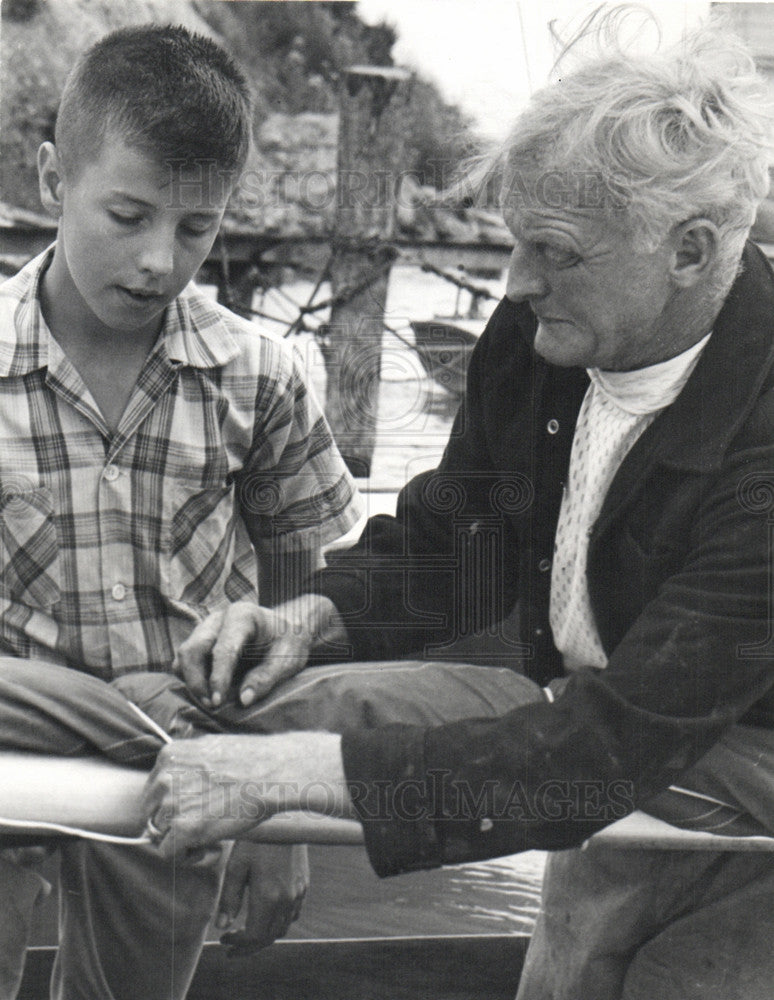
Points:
[[680, 578]]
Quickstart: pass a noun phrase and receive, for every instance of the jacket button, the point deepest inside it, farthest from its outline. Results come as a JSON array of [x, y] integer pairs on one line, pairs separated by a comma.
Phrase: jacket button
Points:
[[552, 426]]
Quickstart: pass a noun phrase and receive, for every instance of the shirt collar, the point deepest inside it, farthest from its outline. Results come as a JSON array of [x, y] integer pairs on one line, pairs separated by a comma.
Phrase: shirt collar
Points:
[[25, 340], [650, 389], [194, 333]]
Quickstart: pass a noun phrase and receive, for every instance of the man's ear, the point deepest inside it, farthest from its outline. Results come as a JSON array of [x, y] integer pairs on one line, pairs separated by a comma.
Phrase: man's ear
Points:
[[50, 179], [695, 244]]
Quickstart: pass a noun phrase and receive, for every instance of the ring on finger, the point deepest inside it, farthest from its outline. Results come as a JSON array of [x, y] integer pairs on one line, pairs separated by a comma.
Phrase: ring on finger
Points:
[[155, 835]]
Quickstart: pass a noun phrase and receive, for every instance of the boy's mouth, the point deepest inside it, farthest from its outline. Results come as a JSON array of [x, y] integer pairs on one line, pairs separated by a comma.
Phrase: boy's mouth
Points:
[[141, 296]]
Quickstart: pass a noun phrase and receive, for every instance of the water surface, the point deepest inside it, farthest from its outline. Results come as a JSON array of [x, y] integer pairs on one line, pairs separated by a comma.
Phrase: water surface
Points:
[[346, 899]]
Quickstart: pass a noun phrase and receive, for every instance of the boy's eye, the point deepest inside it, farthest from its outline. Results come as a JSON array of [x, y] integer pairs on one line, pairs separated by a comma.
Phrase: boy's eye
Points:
[[197, 229], [123, 218]]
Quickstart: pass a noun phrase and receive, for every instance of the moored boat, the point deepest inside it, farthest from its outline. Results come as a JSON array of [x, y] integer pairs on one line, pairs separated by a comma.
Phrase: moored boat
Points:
[[444, 348]]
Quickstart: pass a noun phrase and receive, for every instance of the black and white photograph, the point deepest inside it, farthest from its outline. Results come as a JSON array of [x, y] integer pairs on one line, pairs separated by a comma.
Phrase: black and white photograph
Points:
[[386, 500]]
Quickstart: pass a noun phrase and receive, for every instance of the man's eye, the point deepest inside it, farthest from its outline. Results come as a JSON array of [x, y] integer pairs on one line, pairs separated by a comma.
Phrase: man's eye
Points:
[[559, 256]]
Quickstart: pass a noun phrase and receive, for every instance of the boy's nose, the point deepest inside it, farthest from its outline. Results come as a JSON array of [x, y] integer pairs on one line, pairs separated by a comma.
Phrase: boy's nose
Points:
[[525, 279], [157, 254]]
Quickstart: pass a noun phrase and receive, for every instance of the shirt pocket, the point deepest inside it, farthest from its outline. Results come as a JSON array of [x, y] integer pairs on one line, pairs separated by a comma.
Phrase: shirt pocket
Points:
[[29, 547], [198, 541]]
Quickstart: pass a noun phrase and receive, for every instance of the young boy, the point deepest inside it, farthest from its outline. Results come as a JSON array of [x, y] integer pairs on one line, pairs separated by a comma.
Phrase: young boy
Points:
[[159, 457]]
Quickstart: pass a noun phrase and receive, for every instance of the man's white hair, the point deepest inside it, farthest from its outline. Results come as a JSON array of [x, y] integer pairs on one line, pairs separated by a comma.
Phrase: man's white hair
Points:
[[663, 137]]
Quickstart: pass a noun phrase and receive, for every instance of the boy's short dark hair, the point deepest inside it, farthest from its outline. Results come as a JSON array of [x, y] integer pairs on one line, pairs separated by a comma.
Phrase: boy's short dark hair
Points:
[[174, 94]]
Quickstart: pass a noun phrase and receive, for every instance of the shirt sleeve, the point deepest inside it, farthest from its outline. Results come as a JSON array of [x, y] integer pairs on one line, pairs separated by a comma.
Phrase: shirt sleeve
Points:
[[295, 489]]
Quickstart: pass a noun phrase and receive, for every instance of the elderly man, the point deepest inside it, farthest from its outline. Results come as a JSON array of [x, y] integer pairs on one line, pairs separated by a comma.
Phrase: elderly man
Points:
[[616, 447]]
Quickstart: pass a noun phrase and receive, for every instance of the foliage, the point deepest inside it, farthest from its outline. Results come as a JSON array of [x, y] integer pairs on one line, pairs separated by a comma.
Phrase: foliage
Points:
[[438, 136], [296, 50], [293, 51]]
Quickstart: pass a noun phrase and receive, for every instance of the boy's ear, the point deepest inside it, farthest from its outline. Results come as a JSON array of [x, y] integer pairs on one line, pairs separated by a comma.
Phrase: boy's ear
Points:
[[50, 179]]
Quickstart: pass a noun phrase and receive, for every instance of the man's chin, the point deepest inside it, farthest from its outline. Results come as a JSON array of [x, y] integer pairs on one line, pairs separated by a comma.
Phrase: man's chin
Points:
[[562, 351]]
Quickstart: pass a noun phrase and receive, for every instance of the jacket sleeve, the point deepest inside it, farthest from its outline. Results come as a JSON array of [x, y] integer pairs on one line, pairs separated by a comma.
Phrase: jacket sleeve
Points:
[[402, 588], [697, 657]]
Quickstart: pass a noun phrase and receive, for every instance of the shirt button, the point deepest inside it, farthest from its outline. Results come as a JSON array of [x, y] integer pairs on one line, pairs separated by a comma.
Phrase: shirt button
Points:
[[111, 473], [552, 426], [118, 592], [544, 565], [538, 632], [486, 825]]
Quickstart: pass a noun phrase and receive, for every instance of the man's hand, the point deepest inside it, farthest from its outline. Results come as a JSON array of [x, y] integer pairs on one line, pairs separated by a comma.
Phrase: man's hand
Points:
[[275, 878], [215, 788], [278, 639]]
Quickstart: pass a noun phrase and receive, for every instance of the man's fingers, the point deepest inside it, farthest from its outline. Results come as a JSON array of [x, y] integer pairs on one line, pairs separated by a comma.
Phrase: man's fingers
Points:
[[192, 660], [284, 658], [243, 625], [209, 657], [163, 798]]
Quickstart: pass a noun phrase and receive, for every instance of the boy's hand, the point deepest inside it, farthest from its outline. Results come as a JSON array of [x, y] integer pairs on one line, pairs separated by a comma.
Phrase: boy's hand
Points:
[[275, 878], [278, 639]]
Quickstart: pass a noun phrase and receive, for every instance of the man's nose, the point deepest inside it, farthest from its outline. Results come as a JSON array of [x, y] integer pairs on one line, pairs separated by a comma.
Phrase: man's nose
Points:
[[157, 254], [525, 279]]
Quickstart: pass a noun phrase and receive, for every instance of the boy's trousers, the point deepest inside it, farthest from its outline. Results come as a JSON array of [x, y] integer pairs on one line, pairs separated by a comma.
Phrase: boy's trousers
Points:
[[615, 925], [131, 925]]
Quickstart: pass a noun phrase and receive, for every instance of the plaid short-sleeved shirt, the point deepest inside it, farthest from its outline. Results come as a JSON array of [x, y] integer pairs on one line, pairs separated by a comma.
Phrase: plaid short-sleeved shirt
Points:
[[112, 546]]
